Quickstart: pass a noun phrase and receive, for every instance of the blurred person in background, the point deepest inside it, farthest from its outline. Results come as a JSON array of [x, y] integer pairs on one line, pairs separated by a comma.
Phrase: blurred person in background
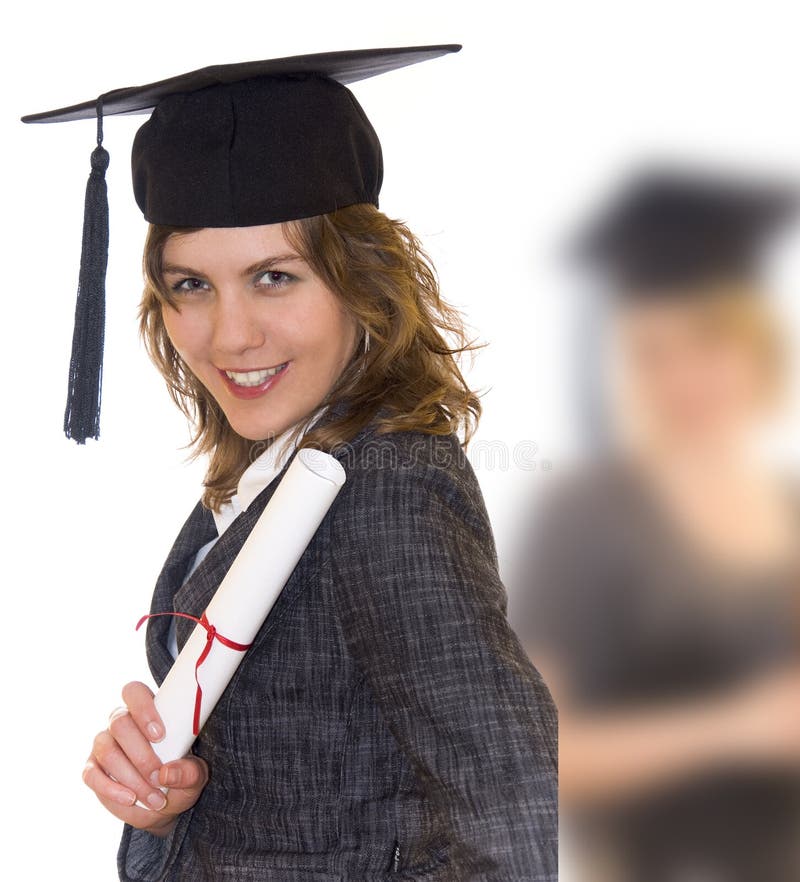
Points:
[[660, 597]]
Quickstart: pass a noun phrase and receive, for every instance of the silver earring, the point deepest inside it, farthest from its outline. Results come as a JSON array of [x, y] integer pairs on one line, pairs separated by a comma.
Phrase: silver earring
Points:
[[366, 342]]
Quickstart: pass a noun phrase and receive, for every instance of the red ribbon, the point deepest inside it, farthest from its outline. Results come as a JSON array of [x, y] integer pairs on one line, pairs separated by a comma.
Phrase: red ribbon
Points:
[[211, 635]]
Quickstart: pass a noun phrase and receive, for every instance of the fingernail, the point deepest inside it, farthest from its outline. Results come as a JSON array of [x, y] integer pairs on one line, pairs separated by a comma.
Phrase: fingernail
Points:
[[154, 779], [173, 776], [154, 731], [125, 797], [156, 801]]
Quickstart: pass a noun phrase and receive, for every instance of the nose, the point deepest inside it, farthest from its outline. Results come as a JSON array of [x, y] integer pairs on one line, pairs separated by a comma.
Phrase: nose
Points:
[[235, 323]]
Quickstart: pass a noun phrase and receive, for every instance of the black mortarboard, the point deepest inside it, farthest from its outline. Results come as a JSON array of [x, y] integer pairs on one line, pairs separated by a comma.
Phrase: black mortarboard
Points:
[[230, 145], [670, 231]]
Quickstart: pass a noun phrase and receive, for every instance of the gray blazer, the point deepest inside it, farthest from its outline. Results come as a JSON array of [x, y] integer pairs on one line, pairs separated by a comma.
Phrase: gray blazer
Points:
[[386, 723]]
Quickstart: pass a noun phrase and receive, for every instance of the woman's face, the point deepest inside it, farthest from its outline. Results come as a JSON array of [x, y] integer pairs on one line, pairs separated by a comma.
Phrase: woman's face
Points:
[[682, 380], [255, 325]]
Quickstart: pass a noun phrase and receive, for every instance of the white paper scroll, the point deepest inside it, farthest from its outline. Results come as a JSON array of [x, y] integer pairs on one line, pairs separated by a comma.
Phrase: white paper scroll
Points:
[[247, 593]]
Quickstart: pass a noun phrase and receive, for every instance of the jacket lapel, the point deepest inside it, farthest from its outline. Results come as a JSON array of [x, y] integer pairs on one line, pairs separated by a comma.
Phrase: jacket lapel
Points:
[[195, 594], [196, 532]]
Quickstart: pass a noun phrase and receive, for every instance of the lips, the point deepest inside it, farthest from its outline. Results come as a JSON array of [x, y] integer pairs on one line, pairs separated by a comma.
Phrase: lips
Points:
[[254, 378], [252, 383]]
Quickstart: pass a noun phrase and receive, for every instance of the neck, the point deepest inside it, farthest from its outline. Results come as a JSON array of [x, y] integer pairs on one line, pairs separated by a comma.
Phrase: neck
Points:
[[705, 464]]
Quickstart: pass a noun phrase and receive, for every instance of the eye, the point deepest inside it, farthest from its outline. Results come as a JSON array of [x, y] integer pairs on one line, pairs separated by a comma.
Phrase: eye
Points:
[[273, 279], [190, 285]]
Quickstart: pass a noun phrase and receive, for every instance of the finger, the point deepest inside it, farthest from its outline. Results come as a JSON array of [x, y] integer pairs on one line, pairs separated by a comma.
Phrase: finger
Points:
[[191, 776], [135, 746], [117, 712], [142, 818], [106, 788], [116, 800], [113, 761], [139, 701], [189, 773]]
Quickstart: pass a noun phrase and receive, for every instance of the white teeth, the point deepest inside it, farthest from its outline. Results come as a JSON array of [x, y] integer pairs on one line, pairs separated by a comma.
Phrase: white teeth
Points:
[[253, 378]]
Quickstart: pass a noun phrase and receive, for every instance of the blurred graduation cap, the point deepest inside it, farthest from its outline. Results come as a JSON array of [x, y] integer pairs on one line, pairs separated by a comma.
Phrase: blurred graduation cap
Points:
[[232, 145], [670, 231], [667, 232]]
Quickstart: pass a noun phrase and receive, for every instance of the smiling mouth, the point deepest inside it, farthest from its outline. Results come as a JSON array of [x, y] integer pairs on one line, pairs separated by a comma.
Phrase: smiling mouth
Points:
[[250, 379]]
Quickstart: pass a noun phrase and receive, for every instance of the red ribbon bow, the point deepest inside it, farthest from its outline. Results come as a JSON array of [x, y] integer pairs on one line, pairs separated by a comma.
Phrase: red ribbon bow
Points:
[[211, 635]]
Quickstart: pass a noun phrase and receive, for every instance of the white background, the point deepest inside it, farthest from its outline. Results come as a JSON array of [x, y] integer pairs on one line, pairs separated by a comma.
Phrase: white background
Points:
[[490, 154]]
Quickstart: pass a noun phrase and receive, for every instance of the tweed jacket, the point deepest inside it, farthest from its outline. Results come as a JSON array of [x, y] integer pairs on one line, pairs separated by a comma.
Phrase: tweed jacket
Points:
[[386, 723]]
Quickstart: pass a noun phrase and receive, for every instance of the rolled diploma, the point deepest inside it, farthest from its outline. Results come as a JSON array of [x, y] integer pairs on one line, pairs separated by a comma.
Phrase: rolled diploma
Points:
[[247, 594]]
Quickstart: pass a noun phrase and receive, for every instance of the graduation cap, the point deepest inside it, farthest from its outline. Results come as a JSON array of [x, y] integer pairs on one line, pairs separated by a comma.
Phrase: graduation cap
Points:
[[233, 145], [670, 231]]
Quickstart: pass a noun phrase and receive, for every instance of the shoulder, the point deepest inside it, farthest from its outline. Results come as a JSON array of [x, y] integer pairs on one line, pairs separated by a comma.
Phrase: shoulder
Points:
[[411, 475], [581, 532], [591, 496], [415, 461]]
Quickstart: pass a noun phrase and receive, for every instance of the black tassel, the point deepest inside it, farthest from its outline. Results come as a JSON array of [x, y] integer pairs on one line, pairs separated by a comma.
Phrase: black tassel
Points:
[[82, 415]]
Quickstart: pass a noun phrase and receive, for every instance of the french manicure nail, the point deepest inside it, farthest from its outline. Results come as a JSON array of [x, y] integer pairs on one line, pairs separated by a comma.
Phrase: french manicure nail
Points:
[[156, 801], [125, 797], [154, 731], [154, 779], [173, 777]]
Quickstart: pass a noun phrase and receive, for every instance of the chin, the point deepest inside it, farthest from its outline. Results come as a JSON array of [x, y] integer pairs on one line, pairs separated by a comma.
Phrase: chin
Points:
[[255, 420], [261, 426], [257, 431]]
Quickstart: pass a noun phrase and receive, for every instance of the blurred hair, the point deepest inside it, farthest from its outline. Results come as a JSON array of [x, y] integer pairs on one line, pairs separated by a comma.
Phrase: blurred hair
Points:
[[744, 314], [378, 269], [737, 311]]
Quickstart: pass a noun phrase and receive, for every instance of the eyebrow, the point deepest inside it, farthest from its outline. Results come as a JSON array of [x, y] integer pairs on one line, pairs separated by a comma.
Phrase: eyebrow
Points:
[[261, 267]]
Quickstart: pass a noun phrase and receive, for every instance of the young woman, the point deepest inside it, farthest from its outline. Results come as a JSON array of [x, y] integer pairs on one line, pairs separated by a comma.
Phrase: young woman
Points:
[[664, 580], [386, 721]]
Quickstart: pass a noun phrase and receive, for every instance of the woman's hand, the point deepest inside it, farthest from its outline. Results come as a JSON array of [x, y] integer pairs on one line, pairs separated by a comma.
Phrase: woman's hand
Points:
[[124, 768]]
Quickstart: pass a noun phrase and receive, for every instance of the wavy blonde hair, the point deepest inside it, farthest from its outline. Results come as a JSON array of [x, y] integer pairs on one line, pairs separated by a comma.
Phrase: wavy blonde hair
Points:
[[409, 372]]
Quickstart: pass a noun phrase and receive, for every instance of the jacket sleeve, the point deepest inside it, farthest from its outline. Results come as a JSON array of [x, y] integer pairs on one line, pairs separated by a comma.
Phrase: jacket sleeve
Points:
[[423, 612]]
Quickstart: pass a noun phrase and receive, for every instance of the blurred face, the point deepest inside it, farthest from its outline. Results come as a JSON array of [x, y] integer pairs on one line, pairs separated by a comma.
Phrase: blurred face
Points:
[[681, 379], [255, 325]]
